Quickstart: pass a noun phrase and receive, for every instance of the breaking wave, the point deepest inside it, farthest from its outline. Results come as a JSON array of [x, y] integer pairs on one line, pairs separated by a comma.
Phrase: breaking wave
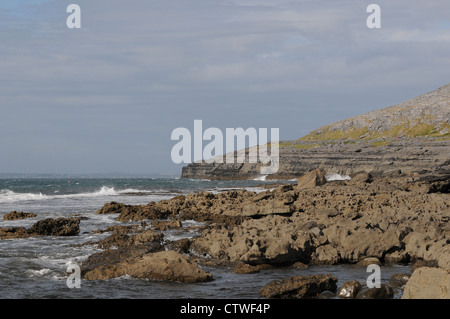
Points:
[[337, 177], [8, 196]]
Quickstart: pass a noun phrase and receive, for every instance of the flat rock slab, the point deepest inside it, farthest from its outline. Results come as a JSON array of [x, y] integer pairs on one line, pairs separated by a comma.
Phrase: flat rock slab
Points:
[[46, 227], [160, 266], [299, 287]]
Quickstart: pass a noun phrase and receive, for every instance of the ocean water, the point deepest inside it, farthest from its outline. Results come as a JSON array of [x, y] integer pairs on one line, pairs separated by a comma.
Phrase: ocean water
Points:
[[36, 267]]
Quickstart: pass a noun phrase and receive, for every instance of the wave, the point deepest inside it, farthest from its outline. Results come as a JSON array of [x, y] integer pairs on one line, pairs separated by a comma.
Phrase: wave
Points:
[[9, 196], [260, 178], [337, 177]]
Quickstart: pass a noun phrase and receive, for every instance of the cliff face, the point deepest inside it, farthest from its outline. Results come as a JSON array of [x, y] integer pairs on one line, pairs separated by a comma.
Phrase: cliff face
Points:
[[413, 136]]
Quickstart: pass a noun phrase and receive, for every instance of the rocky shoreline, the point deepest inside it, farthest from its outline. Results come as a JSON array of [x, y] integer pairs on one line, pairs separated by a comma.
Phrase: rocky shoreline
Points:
[[393, 219], [397, 218]]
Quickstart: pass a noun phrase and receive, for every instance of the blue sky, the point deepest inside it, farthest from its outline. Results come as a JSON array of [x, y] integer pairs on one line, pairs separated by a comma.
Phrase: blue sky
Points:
[[106, 97]]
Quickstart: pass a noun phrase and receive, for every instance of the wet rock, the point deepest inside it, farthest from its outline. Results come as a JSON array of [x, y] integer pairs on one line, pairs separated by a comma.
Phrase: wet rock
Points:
[[118, 229], [368, 261], [298, 265], [134, 212], [47, 227], [166, 224], [18, 215], [399, 280], [349, 289], [160, 266], [298, 287], [246, 269], [181, 245], [13, 232], [122, 239], [397, 257], [384, 292], [56, 227], [105, 262], [111, 208]]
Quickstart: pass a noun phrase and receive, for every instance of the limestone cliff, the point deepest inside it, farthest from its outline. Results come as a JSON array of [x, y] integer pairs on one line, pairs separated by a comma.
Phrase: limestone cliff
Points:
[[413, 136]]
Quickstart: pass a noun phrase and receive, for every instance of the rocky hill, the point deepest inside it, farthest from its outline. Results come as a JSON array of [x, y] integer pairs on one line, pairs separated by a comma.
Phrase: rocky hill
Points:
[[413, 136], [425, 115]]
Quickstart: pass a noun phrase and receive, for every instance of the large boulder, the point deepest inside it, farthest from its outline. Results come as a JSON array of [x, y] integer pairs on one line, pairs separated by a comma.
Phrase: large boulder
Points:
[[311, 179], [56, 227], [299, 287], [399, 280], [13, 232], [18, 215], [382, 292], [46, 227], [327, 255], [134, 212], [349, 289], [161, 266], [428, 283], [272, 240]]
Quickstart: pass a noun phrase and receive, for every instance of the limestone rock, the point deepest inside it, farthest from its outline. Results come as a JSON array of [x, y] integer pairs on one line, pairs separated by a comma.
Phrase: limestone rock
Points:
[[327, 255], [47, 227], [18, 215], [56, 227], [399, 280], [273, 239], [160, 266], [383, 292], [312, 179], [298, 287], [368, 261], [428, 283], [349, 289], [13, 232]]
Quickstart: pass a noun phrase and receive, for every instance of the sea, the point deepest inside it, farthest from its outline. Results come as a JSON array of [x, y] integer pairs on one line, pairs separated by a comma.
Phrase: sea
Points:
[[36, 267]]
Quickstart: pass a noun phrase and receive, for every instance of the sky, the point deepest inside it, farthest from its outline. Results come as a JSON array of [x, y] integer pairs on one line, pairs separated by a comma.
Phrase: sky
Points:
[[106, 97]]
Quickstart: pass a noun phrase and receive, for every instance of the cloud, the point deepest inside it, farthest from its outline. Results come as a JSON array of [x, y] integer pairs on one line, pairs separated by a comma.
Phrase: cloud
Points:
[[138, 69]]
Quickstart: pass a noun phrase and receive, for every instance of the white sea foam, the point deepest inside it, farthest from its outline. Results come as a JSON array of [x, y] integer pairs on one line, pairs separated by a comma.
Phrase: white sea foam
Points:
[[337, 177], [8, 196], [260, 178], [39, 273]]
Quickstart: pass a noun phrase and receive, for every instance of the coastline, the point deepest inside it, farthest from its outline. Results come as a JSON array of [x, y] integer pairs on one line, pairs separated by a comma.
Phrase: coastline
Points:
[[278, 231], [399, 219]]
